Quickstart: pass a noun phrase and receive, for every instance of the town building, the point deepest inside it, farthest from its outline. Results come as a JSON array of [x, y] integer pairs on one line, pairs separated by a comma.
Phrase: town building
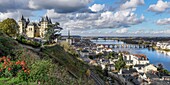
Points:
[[128, 72], [84, 53], [33, 29], [140, 68], [128, 59], [150, 67], [135, 59], [163, 45], [145, 68], [149, 77], [140, 59]]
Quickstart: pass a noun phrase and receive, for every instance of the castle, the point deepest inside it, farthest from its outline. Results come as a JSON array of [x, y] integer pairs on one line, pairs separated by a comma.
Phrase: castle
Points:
[[32, 29]]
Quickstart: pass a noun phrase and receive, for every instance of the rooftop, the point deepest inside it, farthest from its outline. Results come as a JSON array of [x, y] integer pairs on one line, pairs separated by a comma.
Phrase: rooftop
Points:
[[139, 65], [141, 56], [129, 71], [85, 51], [151, 75]]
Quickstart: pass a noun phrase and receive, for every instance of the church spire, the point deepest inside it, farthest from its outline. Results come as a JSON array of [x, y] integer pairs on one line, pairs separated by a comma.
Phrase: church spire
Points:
[[46, 18], [50, 21], [22, 18], [68, 34], [42, 20], [28, 20]]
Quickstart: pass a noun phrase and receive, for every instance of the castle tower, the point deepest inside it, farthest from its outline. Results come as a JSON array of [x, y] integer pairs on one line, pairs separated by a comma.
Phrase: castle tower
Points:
[[22, 25], [50, 22], [28, 20], [44, 25]]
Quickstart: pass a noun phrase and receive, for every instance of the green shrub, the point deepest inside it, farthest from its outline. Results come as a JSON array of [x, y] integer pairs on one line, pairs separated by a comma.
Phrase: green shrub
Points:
[[7, 73], [6, 45], [23, 76], [40, 71], [20, 37], [23, 40]]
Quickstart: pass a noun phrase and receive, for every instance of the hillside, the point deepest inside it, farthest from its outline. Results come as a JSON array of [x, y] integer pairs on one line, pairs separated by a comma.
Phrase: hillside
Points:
[[51, 66]]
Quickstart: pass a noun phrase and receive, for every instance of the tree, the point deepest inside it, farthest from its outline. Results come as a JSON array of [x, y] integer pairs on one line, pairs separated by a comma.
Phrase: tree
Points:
[[106, 71], [99, 55], [110, 55], [10, 27], [120, 63], [91, 57], [160, 66], [53, 32]]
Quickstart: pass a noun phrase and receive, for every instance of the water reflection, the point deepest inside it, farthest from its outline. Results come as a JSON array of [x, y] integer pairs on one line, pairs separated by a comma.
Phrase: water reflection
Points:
[[163, 52]]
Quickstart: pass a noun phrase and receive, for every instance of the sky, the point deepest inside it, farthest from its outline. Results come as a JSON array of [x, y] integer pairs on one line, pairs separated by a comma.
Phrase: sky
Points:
[[96, 17]]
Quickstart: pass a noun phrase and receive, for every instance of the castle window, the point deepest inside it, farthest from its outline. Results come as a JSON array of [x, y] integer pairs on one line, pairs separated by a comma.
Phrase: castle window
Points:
[[42, 34], [30, 29]]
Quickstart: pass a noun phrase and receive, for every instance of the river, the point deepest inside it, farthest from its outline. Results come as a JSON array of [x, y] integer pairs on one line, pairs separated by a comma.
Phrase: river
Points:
[[155, 57]]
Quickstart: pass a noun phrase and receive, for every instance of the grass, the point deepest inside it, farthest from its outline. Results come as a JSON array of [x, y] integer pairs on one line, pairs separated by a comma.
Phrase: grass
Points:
[[74, 65], [14, 81]]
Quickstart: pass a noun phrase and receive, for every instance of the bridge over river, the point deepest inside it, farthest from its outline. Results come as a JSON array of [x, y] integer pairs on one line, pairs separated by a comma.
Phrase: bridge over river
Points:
[[118, 44], [123, 45]]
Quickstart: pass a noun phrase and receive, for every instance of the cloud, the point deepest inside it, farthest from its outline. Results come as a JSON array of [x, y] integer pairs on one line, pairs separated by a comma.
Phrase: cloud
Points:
[[144, 32], [161, 32], [161, 6], [97, 7], [16, 14], [12, 5], [74, 14], [107, 19], [132, 4], [123, 30], [15, 8], [8, 15], [165, 21], [122, 18], [59, 5]]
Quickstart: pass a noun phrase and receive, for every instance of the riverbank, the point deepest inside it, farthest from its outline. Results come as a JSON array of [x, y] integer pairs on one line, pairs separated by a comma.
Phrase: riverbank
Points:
[[156, 48], [155, 57], [142, 60]]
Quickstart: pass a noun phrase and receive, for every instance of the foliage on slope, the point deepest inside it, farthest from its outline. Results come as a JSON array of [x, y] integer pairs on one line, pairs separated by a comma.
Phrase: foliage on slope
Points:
[[76, 67], [49, 67]]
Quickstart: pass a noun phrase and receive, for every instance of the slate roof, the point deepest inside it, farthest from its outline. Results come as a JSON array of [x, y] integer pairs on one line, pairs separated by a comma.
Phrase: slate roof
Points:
[[130, 71], [139, 65], [85, 51], [129, 61], [151, 75]]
